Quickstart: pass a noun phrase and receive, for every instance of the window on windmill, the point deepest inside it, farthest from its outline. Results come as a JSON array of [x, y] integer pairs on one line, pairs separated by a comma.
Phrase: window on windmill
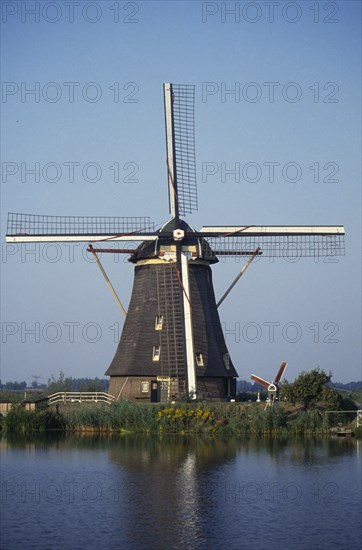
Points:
[[145, 387], [226, 359], [158, 322], [156, 353], [199, 360]]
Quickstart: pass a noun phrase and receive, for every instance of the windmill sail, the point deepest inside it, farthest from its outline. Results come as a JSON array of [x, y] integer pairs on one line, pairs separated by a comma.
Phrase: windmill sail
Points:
[[276, 241], [39, 228], [179, 102], [280, 372], [180, 145], [260, 381]]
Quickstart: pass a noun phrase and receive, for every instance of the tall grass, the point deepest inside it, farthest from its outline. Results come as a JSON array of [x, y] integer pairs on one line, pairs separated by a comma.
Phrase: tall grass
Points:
[[187, 418], [20, 421], [123, 416], [309, 422]]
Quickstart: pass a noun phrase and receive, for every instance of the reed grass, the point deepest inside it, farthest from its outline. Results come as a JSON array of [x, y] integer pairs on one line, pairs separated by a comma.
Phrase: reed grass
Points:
[[309, 422], [187, 418], [20, 421], [123, 416]]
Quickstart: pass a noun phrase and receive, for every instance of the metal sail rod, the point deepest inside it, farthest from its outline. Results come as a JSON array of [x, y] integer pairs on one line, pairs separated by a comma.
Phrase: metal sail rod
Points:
[[107, 280], [257, 251], [170, 149]]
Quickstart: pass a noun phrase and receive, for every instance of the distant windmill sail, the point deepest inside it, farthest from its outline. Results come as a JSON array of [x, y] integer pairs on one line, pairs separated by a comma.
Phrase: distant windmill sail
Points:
[[260, 381], [280, 372]]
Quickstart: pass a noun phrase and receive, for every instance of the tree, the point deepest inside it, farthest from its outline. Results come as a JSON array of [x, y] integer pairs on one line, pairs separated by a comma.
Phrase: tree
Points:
[[89, 384], [332, 398], [68, 383], [311, 388], [61, 384], [13, 386]]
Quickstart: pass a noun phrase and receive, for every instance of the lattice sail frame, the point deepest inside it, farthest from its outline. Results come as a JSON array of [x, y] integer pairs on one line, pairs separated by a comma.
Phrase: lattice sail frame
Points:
[[279, 246], [289, 242], [180, 145], [184, 128], [34, 224]]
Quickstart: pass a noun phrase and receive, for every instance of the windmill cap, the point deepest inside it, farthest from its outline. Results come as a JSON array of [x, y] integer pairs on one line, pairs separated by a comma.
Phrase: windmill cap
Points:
[[166, 237]]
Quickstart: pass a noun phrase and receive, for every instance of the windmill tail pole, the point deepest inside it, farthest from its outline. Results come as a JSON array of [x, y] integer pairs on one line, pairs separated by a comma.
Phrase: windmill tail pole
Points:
[[237, 278], [91, 249]]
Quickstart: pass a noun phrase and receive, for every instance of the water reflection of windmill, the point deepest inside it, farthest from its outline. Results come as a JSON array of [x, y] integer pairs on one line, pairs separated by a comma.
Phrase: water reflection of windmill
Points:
[[172, 342], [272, 387]]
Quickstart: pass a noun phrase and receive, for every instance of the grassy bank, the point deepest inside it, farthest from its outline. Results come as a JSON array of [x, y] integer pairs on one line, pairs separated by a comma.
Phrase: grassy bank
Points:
[[182, 419]]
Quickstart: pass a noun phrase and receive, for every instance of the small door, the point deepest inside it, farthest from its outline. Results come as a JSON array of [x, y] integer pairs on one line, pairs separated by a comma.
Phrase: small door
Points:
[[230, 387], [154, 391]]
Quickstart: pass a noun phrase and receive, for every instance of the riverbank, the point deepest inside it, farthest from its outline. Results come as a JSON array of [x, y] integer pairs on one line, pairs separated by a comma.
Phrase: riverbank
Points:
[[182, 419]]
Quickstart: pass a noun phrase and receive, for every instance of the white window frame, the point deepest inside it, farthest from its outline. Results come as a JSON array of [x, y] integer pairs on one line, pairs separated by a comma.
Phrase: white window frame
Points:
[[159, 322], [156, 352], [199, 358], [226, 359]]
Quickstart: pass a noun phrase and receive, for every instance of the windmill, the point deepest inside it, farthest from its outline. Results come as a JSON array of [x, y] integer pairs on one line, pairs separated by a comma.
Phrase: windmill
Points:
[[272, 387], [172, 343]]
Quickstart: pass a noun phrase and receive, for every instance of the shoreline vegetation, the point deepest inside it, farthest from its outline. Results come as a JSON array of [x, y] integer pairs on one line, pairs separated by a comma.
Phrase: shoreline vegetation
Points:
[[212, 419]]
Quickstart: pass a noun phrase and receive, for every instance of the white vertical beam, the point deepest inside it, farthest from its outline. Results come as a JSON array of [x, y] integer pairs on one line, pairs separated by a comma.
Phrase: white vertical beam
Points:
[[189, 337], [170, 148]]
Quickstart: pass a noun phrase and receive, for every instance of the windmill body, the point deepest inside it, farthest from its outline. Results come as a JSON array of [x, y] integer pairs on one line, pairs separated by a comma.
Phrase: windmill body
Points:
[[172, 345], [151, 352]]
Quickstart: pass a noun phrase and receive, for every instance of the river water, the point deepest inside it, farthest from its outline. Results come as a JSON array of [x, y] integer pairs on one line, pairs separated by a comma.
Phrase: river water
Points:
[[180, 493]]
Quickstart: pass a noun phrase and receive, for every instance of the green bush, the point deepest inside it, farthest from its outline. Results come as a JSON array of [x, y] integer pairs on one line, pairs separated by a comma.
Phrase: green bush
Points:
[[309, 422]]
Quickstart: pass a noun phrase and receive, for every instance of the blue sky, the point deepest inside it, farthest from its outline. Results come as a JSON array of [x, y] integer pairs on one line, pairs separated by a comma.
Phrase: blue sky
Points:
[[93, 132]]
